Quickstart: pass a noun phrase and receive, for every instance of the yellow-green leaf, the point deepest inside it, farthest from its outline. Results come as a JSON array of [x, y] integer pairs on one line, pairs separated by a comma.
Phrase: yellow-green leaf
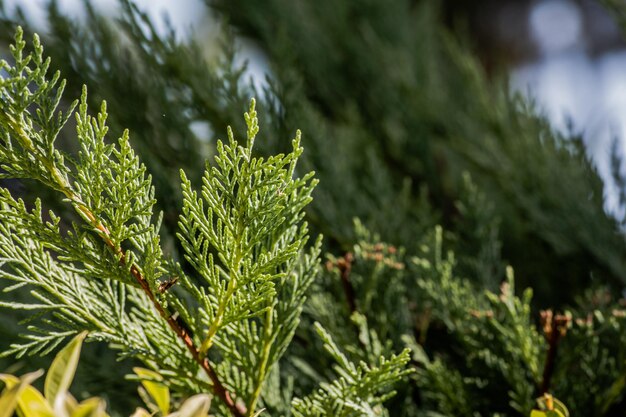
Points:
[[560, 408], [92, 407], [10, 396], [30, 402], [196, 406], [548, 413], [69, 402], [61, 372], [157, 390], [140, 412]]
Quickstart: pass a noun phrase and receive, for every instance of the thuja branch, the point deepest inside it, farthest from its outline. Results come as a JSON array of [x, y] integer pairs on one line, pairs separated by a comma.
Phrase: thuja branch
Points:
[[263, 364], [36, 157], [135, 271], [249, 213], [221, 309], [239, 231]]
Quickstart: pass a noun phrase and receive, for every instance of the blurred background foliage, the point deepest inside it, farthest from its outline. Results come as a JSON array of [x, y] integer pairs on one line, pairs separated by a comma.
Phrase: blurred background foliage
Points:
[[409, 120]]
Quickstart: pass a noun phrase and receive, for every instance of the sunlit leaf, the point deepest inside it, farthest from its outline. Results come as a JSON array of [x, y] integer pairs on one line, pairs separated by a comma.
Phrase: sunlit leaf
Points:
[[61, 372], [140, 412], [10, 396], [196, 406], [30, 402], [157, 390], [92, 407]]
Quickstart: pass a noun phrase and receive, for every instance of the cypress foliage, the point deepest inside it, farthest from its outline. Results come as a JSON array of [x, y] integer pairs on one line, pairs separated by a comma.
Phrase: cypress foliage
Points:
[[469, 265]]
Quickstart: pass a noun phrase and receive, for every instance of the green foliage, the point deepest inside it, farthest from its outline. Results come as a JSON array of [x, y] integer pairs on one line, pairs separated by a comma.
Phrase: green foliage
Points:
[[597, 337], [476, 352], [495, 330], [357, 391], [391, 98], [218, 294], [233, 313]]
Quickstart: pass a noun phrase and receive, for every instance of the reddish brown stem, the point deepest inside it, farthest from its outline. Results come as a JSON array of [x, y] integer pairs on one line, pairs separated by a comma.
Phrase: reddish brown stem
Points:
[[237, 410], [548, 369], [554, 328]]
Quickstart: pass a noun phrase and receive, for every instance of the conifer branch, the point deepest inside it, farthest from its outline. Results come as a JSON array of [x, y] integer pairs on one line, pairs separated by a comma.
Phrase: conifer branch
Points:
[[86, 212], [233, 282], [43, 155], [244, 234], [221, 309], [537, 193], [238, 410], [263, 364]]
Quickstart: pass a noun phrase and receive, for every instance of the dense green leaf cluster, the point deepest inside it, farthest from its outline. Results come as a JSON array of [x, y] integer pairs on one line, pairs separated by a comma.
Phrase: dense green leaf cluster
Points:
[[229, 318], [405, 132]]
